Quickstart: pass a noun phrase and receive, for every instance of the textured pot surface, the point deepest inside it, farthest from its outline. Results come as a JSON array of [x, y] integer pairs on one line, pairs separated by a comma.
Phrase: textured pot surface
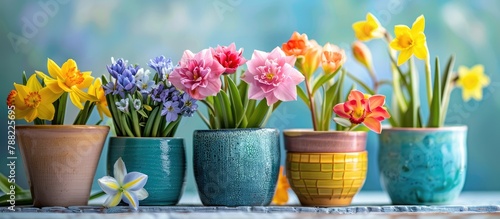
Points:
[[162, 159], [236, 167], [423, 166], [326, 179], [60, 161], [303, 140]]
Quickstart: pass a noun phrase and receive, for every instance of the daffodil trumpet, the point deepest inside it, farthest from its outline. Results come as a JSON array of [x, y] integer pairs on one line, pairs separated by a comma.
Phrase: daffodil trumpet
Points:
[[46, 102], [409, 43]]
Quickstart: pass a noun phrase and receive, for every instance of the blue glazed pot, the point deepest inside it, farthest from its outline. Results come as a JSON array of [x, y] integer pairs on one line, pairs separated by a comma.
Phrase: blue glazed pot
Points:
[[423, 166], [162, 159], [236, 167]]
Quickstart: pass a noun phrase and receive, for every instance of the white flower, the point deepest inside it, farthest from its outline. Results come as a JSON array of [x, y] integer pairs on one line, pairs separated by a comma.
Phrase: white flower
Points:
[[143, 82], [125, 186], [122, 105]]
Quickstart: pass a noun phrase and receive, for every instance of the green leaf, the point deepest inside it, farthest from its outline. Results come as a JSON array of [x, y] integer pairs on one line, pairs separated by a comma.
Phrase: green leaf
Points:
[[338, 97], [169, 130], [142, 113], [150, 121], [435, 111], [228, 115], [22, 198], [250, 108], [322, 80], [403, 78], [222, 123], [25, 79], [237, 105], [411, 116], [259, 114], [302, 95], [361, 83], [134, 117], [97, 195], [115, 114], [446, 89], [342, 121], [155, 130]]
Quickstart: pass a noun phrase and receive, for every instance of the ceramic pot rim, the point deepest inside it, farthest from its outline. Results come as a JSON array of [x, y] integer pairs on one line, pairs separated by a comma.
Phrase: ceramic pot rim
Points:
[[311, 131], [232, 130], [328, 153], [148, 138], [426, 129], [62, 127]]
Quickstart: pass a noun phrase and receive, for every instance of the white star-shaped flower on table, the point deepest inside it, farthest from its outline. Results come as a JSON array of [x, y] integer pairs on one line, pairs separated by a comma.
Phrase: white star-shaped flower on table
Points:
[[125, 186]]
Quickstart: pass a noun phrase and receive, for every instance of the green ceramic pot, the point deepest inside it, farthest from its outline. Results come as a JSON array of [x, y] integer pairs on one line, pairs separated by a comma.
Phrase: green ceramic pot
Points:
[[423, 165], [236, 167], [162, 159]]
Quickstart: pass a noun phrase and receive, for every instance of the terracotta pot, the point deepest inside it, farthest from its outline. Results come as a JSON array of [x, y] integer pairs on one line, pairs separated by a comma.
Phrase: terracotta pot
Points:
[[325, 168], [60, 161]]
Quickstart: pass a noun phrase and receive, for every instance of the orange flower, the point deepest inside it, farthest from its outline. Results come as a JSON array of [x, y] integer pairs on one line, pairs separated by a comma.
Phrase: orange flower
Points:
[[311, 59], [11, 98], [332, 58], [358, 109], [281, 195], [362, 54], [296, 45]]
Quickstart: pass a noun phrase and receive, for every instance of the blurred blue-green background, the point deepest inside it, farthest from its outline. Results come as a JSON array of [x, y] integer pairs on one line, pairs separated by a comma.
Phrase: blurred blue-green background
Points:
[[92, 31]]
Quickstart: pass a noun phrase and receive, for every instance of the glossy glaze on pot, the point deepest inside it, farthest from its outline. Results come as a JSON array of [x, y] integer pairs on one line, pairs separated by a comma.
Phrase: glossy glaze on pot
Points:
[[236, 167], [423, 166]]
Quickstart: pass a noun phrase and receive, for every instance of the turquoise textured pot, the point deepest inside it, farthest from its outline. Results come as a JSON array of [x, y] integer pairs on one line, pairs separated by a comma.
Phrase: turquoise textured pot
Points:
[[423, 165], [162, 159], [236, 167]]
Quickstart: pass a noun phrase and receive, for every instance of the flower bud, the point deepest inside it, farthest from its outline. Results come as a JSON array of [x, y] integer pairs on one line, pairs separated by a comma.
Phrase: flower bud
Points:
[[362, 54]]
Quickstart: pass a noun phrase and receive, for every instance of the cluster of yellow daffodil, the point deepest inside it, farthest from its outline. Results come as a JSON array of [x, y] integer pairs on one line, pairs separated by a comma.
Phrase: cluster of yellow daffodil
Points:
[[34, 102], [412, 42]]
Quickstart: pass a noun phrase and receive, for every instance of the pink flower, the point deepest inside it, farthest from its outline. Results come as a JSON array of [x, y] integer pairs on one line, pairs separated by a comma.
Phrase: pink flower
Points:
[[229, 58], [272, 76], [198, 74], [358, 109]]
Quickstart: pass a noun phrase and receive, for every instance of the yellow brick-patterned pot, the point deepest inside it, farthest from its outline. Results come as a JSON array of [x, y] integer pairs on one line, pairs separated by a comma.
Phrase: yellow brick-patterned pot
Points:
[[325, 168], [326, 179]]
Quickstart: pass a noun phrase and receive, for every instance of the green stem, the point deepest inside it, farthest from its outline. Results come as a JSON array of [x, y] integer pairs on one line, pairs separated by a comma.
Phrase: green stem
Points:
[[311, 105], [428, 80], [60, 107]]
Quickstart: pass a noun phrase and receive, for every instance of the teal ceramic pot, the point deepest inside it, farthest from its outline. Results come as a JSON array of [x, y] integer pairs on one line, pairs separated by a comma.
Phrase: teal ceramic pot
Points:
[[423, 165], [162, 159], [236, 167]]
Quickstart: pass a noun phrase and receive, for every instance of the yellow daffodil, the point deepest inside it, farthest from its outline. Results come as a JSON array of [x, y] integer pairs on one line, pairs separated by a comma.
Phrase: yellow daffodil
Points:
[[68, 79], [281, 194], [97, 91], [32, 101], [368, 29], [472, 82], [410, 41]]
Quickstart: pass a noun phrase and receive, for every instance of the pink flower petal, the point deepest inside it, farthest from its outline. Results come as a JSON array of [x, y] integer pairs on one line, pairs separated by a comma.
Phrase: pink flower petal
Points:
[[339, 110]]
